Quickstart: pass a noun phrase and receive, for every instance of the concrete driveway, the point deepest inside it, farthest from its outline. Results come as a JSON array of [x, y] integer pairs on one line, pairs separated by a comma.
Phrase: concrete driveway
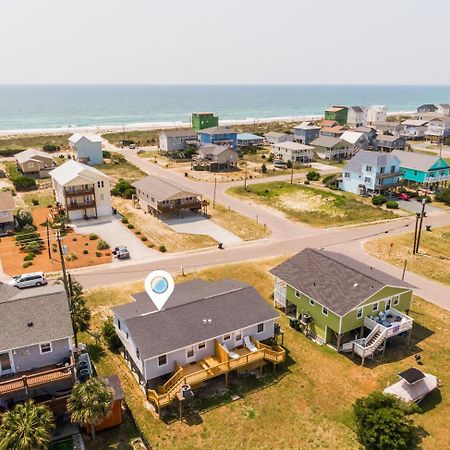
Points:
[[115, 233], [196, 224], [414, 206]]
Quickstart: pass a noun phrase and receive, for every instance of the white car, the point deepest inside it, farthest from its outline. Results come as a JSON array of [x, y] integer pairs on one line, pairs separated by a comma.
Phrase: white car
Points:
[[28, 280]]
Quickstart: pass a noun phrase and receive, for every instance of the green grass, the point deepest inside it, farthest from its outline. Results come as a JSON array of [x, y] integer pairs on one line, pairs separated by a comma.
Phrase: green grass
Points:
[[313, 206], [15, 144], [124, 170], [310, 405]]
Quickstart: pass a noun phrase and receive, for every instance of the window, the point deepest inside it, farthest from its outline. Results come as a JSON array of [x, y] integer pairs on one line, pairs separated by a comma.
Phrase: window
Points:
[[324, 311], [382, 169], [162, 360], [393, 169], [312, 302], [367, 179], [46, 347], [238, 336], [190, 353], [260, 328], [375, 307], [138, 355], [297, 294], [201, 345], [359, 313], [127, 336], [100, 184], [227, 337], [368, 168], [347, 174], [119, 325], [396, 299]]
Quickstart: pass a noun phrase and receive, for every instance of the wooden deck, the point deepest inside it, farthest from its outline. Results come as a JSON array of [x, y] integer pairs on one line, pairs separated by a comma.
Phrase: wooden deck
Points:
[[212, 366]]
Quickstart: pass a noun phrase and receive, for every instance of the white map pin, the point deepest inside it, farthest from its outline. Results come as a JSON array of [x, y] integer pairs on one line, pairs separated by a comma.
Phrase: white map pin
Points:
[[159, 286]]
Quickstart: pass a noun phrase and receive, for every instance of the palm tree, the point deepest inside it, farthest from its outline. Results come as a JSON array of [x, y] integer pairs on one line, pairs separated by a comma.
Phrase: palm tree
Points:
[[26, 427], [90, 403]]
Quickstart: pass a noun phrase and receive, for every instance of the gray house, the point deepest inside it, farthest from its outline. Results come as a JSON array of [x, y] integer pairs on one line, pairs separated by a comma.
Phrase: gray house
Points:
[[205, 329], [327, 147], [176, 140], [274, 137], [35, 342], [388, 143], [306, 132], [216, 157]]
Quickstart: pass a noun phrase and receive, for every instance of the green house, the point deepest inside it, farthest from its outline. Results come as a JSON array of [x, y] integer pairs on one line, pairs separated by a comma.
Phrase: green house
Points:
[[339, 301], [337, 113], [202, 120]]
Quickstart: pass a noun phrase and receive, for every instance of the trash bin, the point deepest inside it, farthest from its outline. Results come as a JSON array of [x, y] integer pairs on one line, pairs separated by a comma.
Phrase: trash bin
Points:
[[428, 227], [220, 245]]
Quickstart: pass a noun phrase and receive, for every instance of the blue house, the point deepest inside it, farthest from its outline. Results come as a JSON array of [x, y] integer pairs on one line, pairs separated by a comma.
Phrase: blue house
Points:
[[430, 170], [219, 136], [306, 132], [371, 172]]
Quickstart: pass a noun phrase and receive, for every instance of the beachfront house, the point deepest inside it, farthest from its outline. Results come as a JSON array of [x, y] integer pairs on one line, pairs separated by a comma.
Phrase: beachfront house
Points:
[[306, 132], [35, 343], [342, 302], [369, 132], [337, 113], [293, 151], [6, 213], [387, 143], [418, 168], [326, 147], [218, 135], [274, 137], [35, 163], [427, 108], [162, 197], [376, 114], [393, 128], [443, 108], [82, 190], [86, 148], [336, 131], [414, 129], [172, 141], [215, 158], [201, 120], [205, 330], [357, 116], [438, 129], [369, 173], [356, 139], [249, 140]]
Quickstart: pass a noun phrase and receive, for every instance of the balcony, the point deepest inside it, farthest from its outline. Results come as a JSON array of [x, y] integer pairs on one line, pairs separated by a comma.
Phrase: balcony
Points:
[[79, 191], [195, 204], [16, 383], [395, 322], [81, 205], [212, 366]]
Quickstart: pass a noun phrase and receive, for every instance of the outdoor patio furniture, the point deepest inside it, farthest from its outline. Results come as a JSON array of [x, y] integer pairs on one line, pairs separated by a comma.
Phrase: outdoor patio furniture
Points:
[[249, 344], [231, 354]]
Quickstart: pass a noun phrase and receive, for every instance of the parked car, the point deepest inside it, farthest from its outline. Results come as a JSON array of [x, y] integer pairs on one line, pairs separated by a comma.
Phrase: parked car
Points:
[[28, 280], [121, 252], [403, 196]]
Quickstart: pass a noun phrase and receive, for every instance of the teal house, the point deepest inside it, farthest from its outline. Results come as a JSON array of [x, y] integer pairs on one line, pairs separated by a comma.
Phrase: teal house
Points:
[[429, 170], [341, 302]]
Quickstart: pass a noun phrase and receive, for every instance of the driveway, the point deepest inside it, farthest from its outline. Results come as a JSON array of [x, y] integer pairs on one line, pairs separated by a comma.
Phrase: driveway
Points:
[[115, 233], [202, 225], [414, 206]]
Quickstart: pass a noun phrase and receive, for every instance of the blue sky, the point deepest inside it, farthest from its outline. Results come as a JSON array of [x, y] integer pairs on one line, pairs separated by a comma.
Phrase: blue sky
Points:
[[233, 41]]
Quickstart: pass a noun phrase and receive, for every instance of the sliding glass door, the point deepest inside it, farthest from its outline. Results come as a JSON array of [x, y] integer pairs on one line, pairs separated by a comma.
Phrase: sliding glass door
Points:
[[5, 363]]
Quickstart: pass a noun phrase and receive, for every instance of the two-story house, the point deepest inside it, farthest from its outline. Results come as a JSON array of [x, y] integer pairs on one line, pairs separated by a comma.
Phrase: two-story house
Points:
[[274, 137], [342, 302], [443, 108], [35, 163], [337, 131], [337, 113], [218, 135], [293, 151], [201, 120], [414, 129], [371, 172], [6, 213], [427, 108], [35, 343], [205, 330], [357, 116], [369, 132], [215, 157], [358, 140], [82, 190], [387, 143], [376, 114], [418, 168], [176, 140], [438, 129], [306, 132], [326, 147]]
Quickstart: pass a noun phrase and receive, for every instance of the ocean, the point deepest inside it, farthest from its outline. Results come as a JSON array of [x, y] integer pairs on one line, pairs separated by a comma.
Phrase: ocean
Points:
[[37, 107]]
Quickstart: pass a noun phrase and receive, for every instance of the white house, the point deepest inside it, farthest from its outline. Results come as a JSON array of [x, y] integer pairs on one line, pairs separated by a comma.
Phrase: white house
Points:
[[357, 139], [293, 151], [274, 137], [87, 148], [443, 108], [414, 129], [357, 116], [82, 190], [438, 129], [376, 114], [176, 140], [6, 212]]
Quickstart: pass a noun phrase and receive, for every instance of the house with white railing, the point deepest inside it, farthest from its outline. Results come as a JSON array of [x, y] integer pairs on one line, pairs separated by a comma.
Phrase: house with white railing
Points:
[[341, 302]]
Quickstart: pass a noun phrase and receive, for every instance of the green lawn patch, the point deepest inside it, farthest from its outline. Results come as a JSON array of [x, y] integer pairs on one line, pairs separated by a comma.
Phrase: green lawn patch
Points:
[[9, 146]]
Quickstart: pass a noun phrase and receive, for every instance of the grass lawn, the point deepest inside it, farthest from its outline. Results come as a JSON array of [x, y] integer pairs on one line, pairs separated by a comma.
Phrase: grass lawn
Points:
[[45, 198], [316, 207], [309, 406], [15, 144], [124, 170], [433, 261]]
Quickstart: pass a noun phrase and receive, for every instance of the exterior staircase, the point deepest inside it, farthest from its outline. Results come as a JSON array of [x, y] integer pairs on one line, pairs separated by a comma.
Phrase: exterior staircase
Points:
[[366, 347]]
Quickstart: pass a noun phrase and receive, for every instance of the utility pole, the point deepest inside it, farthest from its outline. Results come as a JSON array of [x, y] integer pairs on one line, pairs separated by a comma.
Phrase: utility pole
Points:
[[404, 269], [48, 241], [214, 194], [292, 170], [245, 177], [422, 215], [415, 233]]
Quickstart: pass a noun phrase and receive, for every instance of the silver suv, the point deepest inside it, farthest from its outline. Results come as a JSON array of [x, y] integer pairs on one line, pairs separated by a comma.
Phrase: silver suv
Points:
[[28, 280]]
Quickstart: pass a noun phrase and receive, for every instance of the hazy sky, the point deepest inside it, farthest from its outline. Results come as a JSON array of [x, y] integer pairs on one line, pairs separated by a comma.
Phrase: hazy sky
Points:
[[232, 41]]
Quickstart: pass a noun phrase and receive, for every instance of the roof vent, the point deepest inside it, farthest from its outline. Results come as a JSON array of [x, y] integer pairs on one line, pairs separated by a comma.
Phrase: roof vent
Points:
[[205, 321], [355, 284], [314, 283], [30, 324], [209, 321]]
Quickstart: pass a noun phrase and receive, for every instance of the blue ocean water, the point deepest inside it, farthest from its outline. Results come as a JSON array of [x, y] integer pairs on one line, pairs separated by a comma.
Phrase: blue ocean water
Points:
[[54, 106]]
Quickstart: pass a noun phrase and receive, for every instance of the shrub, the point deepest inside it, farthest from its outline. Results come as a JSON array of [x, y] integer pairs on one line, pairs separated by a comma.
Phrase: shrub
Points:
[[426, 197], [263, 168], [162, 249], [123, 189], [29, 257], [391, 204], [443, 196], [289, 164], [313, 175], [35, 201], [26, 264], [110, 336], [71, 257], [86, 243], [329, 180], [144, 238], [106, 154], [270, 158], [24, 218], [74, 239], [98, 254], [307, 182], [85, 252], [102, 245], [93, 237], [378, 200], [137, 232], [124, 219], [130, 226], [51, 148], [24, 182]]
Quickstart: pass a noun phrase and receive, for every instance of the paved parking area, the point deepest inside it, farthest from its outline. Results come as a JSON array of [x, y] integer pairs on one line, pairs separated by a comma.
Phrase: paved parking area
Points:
[[201, 225], [415, 206], [115, 233]]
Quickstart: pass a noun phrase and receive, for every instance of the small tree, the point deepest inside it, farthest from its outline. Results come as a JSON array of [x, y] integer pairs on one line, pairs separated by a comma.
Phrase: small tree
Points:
[[382, 423], [24, 218], [24, 182], [378, 200], [90, 403], [289, 164], [81, 315], [443, 196], [263, 168], [110, 336], [313, 175], [26, 427]]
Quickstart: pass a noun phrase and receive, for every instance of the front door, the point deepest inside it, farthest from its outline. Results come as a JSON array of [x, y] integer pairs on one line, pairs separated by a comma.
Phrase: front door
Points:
[[5, 363]]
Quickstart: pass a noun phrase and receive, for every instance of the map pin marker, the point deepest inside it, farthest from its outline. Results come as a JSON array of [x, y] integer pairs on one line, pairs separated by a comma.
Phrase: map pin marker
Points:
[[159, 286]]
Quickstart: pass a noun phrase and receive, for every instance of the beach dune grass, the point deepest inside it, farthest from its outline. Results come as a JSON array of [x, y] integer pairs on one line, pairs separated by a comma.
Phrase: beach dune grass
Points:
[[15, 144], [313, 206]]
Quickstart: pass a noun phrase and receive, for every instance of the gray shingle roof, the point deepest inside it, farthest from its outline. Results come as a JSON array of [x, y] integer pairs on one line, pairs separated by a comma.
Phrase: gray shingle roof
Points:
[[46, 308], [371, 158], [416, 161], [229, 304], [212, 149], [334, 280], [160, 188], [217, 130], [388, 138], [180, 133], [6, 201], [326, 141], [6, 292], [275, 134]]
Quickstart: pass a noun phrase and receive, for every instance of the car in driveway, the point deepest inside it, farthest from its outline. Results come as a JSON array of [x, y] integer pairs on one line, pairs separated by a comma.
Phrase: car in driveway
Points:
[[27, 280], [404, 196], [121, 252]]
